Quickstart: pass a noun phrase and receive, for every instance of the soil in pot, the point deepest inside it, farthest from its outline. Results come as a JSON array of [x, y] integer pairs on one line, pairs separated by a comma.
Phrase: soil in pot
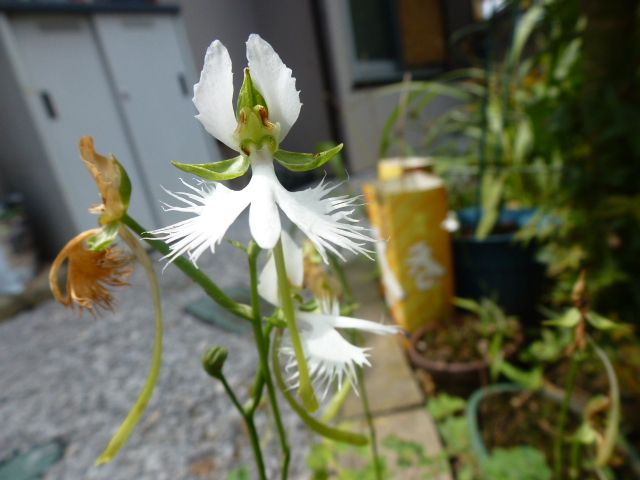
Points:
[[512, 419], [456, 353]]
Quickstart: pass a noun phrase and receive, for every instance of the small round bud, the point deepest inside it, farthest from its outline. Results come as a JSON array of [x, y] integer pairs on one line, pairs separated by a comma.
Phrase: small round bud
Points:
[[213, 361]]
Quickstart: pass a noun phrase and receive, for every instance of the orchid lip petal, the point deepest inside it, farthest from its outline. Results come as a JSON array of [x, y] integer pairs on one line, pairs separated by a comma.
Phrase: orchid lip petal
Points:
[[215, 207], [326, 221], [275, 83], [294, 260], [213, 95], [264, 218]]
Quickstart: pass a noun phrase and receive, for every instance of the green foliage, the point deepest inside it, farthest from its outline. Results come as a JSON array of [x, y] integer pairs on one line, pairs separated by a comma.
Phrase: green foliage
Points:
[[222, 170], [444, 405], [517, 463], [304, 162], [240, 473]]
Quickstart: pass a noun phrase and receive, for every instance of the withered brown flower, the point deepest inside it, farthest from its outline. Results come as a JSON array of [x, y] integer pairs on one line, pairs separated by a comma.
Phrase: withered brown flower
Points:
[[89, 274]]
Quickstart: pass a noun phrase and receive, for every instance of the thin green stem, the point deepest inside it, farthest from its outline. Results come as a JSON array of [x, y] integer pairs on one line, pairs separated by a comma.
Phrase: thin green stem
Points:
[[262, 341], [342, 277], [323, 429], [133, 417], [251, 427], [375, 453], [210, 288], [305, 391], [558, 465]]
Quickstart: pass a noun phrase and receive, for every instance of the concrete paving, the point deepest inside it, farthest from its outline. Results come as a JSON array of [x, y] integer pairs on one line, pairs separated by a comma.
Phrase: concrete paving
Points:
[[74, 378]]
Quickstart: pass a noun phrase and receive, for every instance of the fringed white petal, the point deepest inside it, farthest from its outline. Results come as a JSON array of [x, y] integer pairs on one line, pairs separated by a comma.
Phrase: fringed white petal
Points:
[[294, 262], [326, 221], [330, 357], [213, 95], [275, 82], [214, 206]]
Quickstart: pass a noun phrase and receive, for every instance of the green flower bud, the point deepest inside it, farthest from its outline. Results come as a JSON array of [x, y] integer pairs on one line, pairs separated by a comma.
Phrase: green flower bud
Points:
[[213, 361]]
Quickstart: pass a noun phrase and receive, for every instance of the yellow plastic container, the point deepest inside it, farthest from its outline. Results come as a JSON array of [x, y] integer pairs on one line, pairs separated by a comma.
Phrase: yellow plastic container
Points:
[[414, 249]]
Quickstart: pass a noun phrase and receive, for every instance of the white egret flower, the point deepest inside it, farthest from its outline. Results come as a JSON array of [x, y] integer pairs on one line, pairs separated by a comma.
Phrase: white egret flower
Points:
[[330, 357], [268, 106]]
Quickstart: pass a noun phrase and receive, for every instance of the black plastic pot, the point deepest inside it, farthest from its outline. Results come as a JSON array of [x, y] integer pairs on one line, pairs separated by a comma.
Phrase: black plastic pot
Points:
[[498, 267]]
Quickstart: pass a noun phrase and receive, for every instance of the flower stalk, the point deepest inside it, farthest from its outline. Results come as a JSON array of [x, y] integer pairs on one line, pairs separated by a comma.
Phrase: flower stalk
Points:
[[262, 341], [126, 428], [305, 390]]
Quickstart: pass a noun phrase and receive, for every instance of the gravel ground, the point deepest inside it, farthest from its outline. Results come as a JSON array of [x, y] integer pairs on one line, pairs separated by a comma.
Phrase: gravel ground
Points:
[[76, 378]]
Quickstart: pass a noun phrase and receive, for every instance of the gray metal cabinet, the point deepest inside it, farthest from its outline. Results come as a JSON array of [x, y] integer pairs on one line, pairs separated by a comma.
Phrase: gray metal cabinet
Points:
[[125, 79]]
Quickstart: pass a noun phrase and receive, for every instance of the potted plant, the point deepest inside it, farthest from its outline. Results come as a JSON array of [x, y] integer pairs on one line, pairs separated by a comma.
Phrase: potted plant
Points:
[[457, 354], [481, 144]]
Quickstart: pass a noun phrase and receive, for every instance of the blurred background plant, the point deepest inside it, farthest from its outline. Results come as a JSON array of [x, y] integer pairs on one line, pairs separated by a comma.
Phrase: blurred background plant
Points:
[[550, 122]]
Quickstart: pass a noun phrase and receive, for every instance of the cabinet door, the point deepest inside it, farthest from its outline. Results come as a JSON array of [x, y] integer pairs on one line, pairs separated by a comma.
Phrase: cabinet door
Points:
[[70, 96], [144, 58]]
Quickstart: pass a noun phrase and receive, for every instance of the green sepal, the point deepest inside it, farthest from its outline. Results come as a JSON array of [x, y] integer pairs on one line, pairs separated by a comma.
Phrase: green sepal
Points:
[[125, 186], [249, 96], [569, 319], [303, 162], [223, 170], [103, 240]]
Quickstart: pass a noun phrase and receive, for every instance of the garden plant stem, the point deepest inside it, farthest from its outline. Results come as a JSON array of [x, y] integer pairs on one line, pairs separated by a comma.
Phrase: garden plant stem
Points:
[[558, 465], [251, 427], [262, 342], [306, 393], [372, 429]]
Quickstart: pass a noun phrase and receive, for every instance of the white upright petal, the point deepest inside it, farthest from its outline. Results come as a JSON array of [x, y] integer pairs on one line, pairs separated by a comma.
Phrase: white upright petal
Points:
[[215, 207], [275, 82], [294, 262], [213, 95], [326, 221]]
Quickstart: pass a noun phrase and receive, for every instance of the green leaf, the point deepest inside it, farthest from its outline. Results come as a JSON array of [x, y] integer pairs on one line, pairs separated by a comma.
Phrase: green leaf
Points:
[[586, 434], [103, 240], [443, 406], [599, 322], [569, 319], [532, 379], [223, 170], [523, 31], [468, 304], [492, 188], [303, 162]]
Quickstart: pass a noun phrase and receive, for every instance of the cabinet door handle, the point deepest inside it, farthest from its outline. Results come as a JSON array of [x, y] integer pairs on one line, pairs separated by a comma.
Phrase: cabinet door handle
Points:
[[182, 82], [47, 102]]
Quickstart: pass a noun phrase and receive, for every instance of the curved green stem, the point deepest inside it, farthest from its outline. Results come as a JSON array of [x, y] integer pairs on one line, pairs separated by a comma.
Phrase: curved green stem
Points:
[[377, 462], [262, 341], [558, 444], [305, 391], [318, 427], [251, 427], [613, 418], [126, 428], [210, 288]]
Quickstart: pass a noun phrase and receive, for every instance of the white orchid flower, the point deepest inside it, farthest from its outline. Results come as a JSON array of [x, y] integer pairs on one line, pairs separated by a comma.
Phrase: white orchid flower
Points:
[[268, 106], [330, 357]]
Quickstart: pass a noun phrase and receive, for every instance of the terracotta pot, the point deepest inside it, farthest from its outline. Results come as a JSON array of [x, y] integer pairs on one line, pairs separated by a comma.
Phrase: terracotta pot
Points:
[[457, 378]]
